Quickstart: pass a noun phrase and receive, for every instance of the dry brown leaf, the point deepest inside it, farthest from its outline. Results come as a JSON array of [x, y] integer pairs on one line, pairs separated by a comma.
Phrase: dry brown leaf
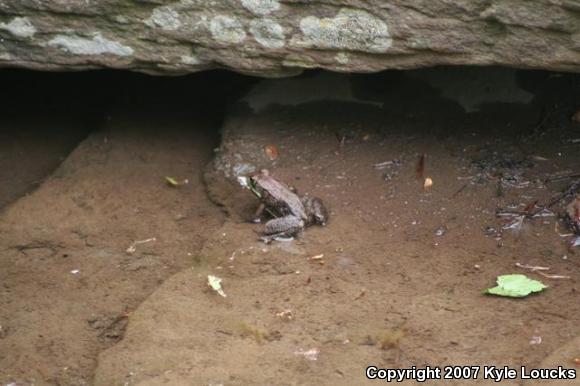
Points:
[[271, 152]]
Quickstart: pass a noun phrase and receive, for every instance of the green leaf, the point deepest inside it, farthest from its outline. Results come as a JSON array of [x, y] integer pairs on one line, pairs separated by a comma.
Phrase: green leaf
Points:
[[516, 286]]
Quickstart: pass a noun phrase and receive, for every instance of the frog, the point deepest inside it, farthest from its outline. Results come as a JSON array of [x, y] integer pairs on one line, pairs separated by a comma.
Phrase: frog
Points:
[[291, 212]]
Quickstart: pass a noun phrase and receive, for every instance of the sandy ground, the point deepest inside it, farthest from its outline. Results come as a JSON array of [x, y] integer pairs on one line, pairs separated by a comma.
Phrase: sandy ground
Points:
[[403, 269], [68, 282]]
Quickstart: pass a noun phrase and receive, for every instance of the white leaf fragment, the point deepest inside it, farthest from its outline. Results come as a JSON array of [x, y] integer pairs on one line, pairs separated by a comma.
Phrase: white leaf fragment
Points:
[[215, 283]]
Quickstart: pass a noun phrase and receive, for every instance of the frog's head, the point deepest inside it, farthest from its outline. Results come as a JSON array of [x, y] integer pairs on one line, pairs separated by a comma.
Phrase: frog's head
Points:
[[255, 182], [320, 214]]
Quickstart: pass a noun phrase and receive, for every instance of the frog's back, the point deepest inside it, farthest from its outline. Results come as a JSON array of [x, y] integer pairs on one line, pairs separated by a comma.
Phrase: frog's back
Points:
[[282, 195]]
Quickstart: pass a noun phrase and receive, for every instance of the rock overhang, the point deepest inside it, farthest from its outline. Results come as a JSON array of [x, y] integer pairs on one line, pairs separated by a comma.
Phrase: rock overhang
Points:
[[283, 38]]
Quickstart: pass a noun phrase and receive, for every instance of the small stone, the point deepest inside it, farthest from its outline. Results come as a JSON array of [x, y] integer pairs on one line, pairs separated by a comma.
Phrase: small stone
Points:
[[440, 231]]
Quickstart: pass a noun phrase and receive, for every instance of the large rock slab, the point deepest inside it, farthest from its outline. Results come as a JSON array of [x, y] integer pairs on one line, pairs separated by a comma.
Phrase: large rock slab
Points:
[[275, 38]]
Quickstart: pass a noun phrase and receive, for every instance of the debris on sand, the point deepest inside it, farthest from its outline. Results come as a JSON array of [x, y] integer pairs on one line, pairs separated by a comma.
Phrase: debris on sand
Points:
[[428, 183], [311, 355], [532, 267], [515, 224], [285, 314], [391, 339], [458, 191], [539, 270], [490, 231], [514, 181], [501, 167], [573, 215], [420, 170], [544, 212], [535, 340], [341, 138], [386, 164], [392, 166], [257, 333], [133, 247], [215, 283], [515, 286], [318, 258], [361, 294], [440, 231], [271, 152], [533, 210], [175, 183]]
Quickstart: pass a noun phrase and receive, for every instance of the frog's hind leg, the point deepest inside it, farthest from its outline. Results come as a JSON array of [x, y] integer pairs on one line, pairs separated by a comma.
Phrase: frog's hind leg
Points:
[[317, 212], [284, 226]]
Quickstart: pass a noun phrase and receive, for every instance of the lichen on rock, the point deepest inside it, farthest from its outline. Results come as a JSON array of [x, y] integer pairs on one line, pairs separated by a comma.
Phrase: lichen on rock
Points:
[[351, 29], [20, 27], [226, 29], [274, 38], [97, 45], [190, 60], [164, 17], [268, 33], [261, 7]]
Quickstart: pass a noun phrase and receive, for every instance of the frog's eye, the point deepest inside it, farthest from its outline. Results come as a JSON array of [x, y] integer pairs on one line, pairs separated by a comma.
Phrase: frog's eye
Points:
[[252, 183], [254, 187]]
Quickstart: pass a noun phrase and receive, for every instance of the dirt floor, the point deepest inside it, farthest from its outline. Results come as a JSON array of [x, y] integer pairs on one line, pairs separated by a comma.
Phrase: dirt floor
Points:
[[67, 279], [395, 279]]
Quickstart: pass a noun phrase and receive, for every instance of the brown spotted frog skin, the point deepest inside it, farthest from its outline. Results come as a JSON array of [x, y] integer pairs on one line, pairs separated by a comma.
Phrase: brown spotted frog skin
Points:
[[292, 213]]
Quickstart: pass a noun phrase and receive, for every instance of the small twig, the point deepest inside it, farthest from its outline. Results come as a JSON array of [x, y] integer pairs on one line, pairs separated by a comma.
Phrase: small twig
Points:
[[133, 247], [539, 269], [557, 231], [532, 268], [559, 178], [528, 213], [554, 276], [459, 191], [421, 166], [382, 165], [362, 293], [341, 138]]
